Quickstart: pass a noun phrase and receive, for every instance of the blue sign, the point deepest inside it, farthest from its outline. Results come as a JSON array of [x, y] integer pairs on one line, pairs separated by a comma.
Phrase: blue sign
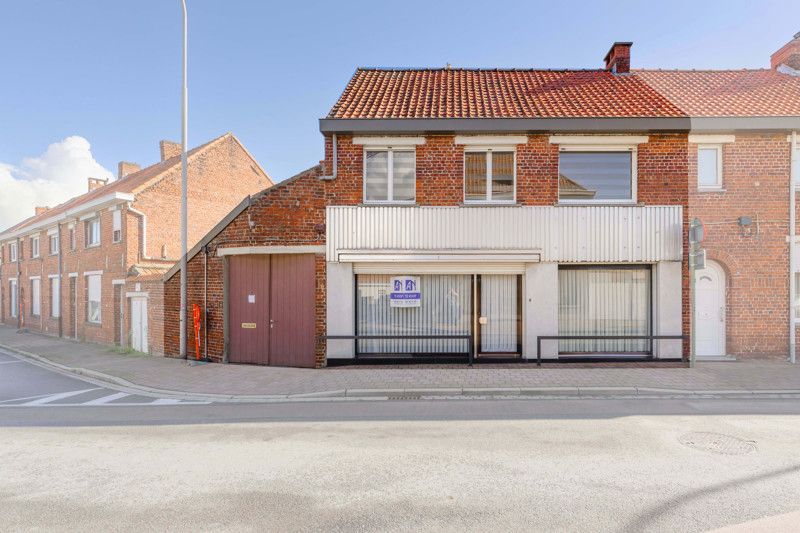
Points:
[[405, 292]]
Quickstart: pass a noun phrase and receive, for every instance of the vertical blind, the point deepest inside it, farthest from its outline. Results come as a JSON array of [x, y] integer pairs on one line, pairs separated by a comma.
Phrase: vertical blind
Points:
[[499, 308], [93, 298], [55, 297], [604, 301], [445, 309]]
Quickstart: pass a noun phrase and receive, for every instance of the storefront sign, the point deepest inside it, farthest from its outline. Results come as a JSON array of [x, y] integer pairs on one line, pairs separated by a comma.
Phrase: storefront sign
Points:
[[405, 292]]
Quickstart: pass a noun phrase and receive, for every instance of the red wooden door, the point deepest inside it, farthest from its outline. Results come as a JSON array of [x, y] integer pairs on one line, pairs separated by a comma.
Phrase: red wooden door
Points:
[[248, 309], [292, 306]]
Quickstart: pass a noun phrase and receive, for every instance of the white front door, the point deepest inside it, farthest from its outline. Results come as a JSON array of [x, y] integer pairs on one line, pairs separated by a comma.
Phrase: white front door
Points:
[[499, 314], [710, 311], [139, 324]]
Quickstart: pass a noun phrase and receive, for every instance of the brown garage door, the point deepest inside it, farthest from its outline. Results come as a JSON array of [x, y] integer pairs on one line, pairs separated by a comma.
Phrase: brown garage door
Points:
[[271, 302], [248, 309]]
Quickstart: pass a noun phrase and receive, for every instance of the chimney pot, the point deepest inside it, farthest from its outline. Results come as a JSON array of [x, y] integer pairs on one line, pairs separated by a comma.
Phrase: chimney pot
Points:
[[169, 149], [96, 183], [787, 56], [618, 58], [41, 209], [124, 168]]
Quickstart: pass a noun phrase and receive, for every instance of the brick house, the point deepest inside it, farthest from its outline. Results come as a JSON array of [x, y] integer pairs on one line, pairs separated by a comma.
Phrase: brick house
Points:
[[91, 267]]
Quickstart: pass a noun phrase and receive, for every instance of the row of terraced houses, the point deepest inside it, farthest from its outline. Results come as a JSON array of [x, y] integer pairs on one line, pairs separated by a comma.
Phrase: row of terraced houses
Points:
[[455, 211]]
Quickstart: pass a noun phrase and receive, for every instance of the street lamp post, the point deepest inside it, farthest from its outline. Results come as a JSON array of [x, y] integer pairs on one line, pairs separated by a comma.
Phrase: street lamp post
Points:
[[184, 187]]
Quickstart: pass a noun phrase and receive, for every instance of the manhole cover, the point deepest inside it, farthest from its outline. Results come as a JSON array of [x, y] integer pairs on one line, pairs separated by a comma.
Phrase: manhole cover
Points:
[[717, 443]]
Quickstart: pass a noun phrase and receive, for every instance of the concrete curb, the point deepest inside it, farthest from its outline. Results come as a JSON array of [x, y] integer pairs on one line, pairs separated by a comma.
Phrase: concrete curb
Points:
[[559, 392]]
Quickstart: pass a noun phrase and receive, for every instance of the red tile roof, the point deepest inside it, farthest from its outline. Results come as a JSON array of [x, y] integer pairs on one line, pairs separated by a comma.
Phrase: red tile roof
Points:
[[131, 183], [462, 93], [727, 93], [474, 93]]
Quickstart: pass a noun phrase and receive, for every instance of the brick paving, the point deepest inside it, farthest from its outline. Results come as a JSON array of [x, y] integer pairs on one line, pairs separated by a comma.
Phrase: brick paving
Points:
[[178, 375]]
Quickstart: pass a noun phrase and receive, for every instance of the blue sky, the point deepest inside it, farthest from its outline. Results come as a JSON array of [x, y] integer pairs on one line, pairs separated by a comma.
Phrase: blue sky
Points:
[[109, 71]]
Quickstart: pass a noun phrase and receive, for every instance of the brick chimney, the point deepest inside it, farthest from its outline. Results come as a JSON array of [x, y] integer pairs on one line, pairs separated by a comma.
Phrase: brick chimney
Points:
[[124, 168], [40, 210], [96, 183], [788, 56], [618, 58], [169, 149]]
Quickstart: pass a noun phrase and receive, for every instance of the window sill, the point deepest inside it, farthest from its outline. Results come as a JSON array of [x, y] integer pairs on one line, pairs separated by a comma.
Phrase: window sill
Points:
[[88, 246], [711, 189], [598, 204], [93, 324], [389, 204], [490, 204]]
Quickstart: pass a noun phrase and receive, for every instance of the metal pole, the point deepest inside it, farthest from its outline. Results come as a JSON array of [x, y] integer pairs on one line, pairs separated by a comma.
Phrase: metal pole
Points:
[[691, 308], [184, 187]]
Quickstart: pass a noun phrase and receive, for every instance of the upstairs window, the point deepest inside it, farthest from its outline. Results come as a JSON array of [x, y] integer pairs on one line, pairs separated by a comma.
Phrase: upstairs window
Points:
[[92, 232], [389, 176], [597, 176], [12, 252], [34, 247], [53, 244], [116, 234], [72, 238], [709, 166], [489, 176]]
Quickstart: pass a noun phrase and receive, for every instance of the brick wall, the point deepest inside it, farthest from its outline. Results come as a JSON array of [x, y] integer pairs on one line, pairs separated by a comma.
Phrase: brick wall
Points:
[[756, 261]]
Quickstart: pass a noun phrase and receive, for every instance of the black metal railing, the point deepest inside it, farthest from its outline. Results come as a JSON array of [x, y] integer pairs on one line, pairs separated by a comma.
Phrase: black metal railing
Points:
[[468, 338], [540, 338]]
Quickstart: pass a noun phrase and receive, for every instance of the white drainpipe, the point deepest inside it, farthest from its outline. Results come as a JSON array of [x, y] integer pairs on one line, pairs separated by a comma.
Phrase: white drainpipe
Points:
[[793, 177], [144, 230]]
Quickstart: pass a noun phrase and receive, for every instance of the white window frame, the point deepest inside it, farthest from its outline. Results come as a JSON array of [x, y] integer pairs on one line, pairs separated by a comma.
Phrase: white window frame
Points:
[[88, 279], [36, 296], [717, 186], [116, 228], [53, 239], [34, 247], [86, 224], [72, 235], [55, 296], [389, 174], [13, 299], [12, 252], [633, 149], [488, 151]]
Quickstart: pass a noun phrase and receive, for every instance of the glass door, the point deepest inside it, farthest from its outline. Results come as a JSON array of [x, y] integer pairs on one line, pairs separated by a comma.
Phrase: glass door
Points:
[[499, 313]]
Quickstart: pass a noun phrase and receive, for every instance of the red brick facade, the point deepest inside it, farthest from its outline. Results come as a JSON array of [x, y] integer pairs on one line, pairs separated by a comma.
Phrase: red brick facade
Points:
[[292, 213]]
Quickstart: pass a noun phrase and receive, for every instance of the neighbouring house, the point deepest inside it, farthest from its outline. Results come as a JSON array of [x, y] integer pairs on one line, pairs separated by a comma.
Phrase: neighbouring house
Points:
[[498, 206], [91, 268]]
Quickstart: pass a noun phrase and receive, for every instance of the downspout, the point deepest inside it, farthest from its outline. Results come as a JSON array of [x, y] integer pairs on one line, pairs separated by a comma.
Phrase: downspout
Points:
[[20, 320], [143, 239], [60, 285], [793, 177], [205, 302], [332, 175]]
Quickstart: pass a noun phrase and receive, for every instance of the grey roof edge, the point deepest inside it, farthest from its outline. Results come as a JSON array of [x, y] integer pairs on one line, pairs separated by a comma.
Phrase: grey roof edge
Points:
[[235, 212], [552, 125]]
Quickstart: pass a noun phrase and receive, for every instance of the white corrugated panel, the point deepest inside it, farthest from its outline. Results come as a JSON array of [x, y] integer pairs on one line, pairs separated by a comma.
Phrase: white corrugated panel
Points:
[[578, 234]]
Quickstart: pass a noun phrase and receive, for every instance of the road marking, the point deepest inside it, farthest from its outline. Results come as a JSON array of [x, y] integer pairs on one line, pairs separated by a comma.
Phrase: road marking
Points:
[[106, 399], [10, 362], [59, 396]]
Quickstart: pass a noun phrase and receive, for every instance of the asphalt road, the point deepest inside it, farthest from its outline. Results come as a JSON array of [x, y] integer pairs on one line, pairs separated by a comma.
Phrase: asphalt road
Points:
[[130, 463]]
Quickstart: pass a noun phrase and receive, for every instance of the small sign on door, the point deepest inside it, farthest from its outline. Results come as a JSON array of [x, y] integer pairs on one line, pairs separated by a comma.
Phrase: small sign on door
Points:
[[251, 298], [248, 325]]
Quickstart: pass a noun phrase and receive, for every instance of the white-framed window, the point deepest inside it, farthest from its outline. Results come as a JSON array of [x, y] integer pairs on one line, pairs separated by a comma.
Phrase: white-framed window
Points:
[[93, 298], [390, 175], [53, 244], [91, 229], [709, 166], [597, 174], [116, 234], [12, 252], [36, 296], [13, 295], [490, 175], [34, 247], [55, 297], [72, 238]]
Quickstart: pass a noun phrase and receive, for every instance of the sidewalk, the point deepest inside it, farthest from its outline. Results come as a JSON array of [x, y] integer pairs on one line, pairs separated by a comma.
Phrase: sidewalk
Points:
[[240, 382]]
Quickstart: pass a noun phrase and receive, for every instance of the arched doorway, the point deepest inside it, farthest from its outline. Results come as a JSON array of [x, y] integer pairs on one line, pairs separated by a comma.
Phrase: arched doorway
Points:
[[710, 311]]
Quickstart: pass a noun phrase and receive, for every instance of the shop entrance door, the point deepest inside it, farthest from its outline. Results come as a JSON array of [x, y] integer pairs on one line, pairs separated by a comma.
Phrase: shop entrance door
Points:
[[499, 313]]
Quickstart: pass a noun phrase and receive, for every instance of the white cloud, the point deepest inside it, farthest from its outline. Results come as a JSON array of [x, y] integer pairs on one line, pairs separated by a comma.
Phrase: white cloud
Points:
[[49, 179]]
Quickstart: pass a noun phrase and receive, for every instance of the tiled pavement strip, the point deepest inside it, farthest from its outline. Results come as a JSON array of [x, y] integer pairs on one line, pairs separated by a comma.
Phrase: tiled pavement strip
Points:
[[241, 383]]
